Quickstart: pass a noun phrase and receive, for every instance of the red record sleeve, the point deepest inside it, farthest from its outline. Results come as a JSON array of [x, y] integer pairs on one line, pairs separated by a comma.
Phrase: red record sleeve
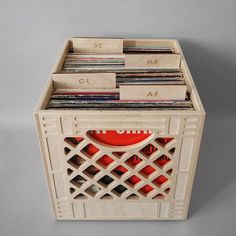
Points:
[[119, 138]]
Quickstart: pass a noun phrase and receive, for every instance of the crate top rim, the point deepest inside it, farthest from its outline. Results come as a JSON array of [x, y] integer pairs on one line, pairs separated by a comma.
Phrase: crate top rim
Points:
[[167, 40], [138, 39], [118, 112]]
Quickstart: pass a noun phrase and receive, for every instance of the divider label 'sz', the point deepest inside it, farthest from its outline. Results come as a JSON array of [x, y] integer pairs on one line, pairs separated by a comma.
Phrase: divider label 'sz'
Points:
[[97, 45]]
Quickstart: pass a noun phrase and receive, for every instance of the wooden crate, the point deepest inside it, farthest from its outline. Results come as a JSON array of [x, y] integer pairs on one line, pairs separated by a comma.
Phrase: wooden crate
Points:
[[74, 201]]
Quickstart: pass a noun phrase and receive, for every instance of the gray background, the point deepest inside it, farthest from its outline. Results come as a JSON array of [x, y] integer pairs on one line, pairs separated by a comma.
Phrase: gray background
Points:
[[32, 33]]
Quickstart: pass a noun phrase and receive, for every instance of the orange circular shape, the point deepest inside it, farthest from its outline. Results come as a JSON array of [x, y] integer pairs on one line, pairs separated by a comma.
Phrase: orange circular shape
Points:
[[119, 138]]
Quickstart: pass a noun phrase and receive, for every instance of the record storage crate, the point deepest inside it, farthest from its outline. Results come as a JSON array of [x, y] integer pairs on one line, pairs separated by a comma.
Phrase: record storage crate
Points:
[[57, 130]]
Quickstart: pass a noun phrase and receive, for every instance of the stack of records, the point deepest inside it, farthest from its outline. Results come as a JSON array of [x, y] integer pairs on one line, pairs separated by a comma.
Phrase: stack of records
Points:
[[147, 49], [75, 62], [167, 80], [110, 100], [132, 78]]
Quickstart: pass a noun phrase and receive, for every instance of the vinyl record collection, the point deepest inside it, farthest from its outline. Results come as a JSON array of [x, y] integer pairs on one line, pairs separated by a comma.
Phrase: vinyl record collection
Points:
[[128, 92]]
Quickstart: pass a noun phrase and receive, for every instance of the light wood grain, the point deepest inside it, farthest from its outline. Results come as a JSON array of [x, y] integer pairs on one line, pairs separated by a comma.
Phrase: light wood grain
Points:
[[98, 45], [153, 92], [152, 60], [84, 81]]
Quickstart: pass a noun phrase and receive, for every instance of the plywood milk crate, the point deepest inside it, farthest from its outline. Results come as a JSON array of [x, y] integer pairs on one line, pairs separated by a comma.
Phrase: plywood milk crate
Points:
[[133, 162]]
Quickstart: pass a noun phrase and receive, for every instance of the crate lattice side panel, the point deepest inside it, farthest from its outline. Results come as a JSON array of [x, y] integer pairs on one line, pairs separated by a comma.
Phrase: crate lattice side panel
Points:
[[83, 187]]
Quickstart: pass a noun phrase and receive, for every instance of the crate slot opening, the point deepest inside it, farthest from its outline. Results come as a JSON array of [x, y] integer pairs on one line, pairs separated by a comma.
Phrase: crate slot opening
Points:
[[162, 161], [146, 189], [119, 171], [147, 170], [106, 197], [118, 154], [76, 161], [80, 196], [91, 171], [169, 172], [133, 161], [119, 190], [105, 161], [160, 180], [73, 141], [67, 150], [105, 180], [172, 151], [69, 171], [133, 180], [72, 190], [92, 190], [164, 141], [167, 190], [132, 197], [159, 197], [90, 150], [78, 181], [149, 150]]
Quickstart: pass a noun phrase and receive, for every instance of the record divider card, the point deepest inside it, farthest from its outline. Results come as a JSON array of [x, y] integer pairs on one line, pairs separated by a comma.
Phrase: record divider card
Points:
[[98, 47]]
